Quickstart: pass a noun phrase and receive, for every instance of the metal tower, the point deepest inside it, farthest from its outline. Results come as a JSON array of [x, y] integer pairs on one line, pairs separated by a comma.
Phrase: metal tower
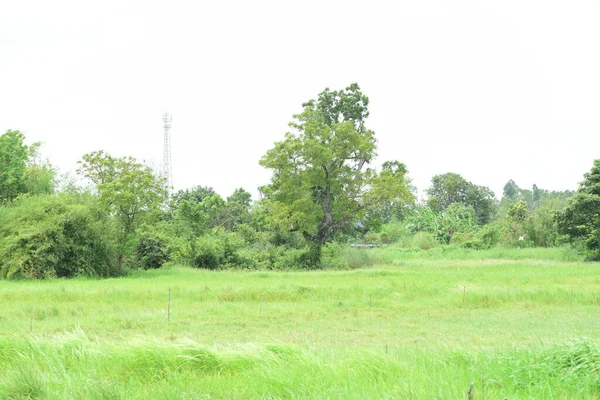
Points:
[[167, 170]]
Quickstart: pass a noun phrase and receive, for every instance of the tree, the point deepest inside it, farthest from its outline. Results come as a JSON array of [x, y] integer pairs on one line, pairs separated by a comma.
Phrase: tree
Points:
[[13, 163], [127, 189], [236, 210], [321, 181], [519, 211], [40, 176], [194, 195], [395, 201], [580, 220], [452, 188], [510, 190]]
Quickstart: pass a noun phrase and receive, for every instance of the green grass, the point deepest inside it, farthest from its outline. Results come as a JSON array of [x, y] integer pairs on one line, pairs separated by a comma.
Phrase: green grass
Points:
[[517, 323]]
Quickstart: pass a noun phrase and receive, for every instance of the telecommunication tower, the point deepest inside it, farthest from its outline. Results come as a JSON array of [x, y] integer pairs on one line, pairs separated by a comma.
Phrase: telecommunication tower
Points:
[[167, 170]]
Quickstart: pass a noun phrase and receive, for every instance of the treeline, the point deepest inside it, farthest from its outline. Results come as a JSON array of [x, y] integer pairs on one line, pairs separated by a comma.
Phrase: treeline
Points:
[[324, 194]]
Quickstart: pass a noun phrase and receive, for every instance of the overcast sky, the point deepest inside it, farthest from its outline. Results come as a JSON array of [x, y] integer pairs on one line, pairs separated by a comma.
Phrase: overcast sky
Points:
[[491, 90]]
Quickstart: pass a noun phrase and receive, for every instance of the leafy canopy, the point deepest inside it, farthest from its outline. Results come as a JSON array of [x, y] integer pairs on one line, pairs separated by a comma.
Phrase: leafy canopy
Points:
[[321, 177], [13, 162], [451, 188], [580, 220], [127, 189]]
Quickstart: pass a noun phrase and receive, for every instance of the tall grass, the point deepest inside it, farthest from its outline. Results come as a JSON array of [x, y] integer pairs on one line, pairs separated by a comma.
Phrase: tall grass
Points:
[[82, 368], [397, 254], [418, 325]]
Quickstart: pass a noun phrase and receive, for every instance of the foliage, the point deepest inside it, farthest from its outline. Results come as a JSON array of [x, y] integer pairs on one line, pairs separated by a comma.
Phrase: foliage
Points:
[[194, 195], [519, 211], [40, 176], [451, 188], [393, 205], [443, 225], [580, 220], [13, 163], [47, 236], [219, 249], [541, 228], [127, 189], [389, 233], [534, 198], [485, 238], [424, 241], [321, 181], [152, 251]]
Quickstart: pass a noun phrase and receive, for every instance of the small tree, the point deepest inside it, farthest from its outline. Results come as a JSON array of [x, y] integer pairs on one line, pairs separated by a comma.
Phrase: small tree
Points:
[[127, 189], [580, 220], [40, 175], [452, 188], [13, 163]]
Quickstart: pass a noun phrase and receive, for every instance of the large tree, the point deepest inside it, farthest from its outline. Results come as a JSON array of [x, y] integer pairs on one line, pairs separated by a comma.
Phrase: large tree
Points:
[[580, 220], [451, 188], [321, 177]]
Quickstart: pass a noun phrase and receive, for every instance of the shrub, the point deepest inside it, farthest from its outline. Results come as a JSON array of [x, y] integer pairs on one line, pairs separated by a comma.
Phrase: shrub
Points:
[[47, 236], [424, 241], [151, 251], [219, 249], [286, 258], [333, 256], [209, 252], [394, 232], [358, 258]]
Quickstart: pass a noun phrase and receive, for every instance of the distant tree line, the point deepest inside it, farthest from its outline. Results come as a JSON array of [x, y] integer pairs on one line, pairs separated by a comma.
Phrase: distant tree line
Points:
[[323, 195]]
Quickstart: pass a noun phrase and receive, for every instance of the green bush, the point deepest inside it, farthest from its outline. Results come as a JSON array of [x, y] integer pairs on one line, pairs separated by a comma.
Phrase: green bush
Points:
[[47, 236], [219, 249], [485, 238], [424, 241], [332, 256], [460, 238], [393, 232], [289, 258], [152, 251], [358, 257]]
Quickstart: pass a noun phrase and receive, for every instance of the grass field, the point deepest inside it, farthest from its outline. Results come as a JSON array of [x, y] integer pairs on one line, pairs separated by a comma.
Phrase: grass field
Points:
[[423, 325]]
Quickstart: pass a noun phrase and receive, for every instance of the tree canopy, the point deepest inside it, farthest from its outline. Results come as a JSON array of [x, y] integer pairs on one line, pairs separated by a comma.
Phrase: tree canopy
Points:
[[13, 163], [580, 220], [321, 176], [451, 188]]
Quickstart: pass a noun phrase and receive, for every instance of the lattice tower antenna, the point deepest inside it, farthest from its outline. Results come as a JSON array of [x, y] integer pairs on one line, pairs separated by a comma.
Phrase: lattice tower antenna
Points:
[[167, 169]]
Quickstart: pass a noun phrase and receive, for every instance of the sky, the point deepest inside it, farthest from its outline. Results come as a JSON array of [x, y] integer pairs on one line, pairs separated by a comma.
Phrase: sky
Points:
[[490, 90]]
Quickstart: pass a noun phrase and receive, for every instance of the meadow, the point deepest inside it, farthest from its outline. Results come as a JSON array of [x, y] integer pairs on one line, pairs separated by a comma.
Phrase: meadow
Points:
[[503, 323]]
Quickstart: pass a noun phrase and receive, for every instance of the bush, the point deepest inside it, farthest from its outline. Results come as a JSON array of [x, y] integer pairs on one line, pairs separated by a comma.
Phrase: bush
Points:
[[47, 236], [485, 238], [332, 256], [219, 249], [459, 238], [152, 251], [358, 258], [394, 232], [424, 241], [286, 258]]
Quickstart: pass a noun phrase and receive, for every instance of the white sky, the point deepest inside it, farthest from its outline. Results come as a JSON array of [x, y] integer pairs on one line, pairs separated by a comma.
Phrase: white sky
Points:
[[490, 90]]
